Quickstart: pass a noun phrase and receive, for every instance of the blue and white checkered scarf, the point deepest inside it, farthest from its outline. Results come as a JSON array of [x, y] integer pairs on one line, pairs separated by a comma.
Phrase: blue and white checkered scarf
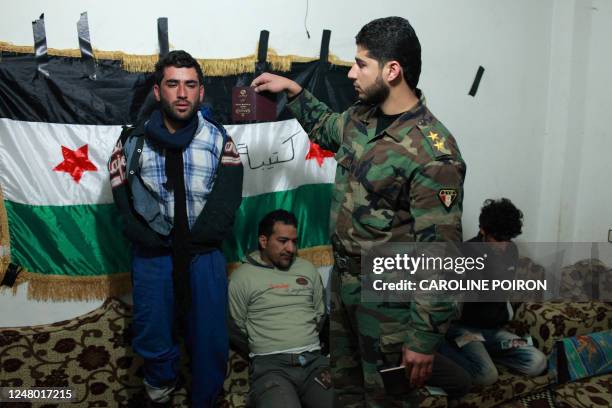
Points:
[[200, 160]]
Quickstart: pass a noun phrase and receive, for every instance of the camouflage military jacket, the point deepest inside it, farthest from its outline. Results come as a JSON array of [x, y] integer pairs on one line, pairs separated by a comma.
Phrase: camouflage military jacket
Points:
[[404, 184]]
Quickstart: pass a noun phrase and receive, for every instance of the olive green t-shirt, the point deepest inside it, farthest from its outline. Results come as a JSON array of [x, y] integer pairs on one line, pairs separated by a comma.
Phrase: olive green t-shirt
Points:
[[277, 310]]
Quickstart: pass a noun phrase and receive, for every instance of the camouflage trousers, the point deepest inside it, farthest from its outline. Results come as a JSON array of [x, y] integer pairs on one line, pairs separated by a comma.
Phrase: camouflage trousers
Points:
[[355, 347]]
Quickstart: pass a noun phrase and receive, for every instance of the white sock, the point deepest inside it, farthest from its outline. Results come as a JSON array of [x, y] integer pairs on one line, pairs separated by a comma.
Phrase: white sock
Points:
[[159, 394]]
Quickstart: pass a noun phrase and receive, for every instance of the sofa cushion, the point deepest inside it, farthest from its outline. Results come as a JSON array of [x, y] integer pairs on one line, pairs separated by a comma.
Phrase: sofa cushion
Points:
[[549, 322], [236, 385], [508, 386], [91, 354], [592, 392], [589, 279]]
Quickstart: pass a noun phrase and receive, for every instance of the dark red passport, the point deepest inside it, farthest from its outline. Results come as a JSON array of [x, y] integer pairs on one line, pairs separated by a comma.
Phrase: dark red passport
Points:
[[249, 106]]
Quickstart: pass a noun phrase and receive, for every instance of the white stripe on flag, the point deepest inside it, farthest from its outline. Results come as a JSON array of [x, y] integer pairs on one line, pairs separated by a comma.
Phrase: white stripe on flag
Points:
[[274, 157], [29, 151]]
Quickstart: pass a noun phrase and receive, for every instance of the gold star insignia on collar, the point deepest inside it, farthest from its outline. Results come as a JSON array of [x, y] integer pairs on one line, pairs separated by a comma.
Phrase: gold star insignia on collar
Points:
[[439, 145], [433, 136]]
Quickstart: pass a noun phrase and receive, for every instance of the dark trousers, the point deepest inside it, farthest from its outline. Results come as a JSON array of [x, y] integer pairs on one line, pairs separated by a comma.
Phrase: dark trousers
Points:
[[356, 355], [288, 381], [154, 322], [449, 376]]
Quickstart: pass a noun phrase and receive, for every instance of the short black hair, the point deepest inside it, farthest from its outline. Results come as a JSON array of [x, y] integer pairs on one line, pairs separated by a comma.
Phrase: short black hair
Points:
[[178, 59], [393, 38], [266, 225], [501, 219]]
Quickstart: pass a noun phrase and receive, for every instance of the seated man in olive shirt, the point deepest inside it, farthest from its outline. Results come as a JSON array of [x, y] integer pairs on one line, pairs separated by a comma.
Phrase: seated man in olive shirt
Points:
[[276, 304]]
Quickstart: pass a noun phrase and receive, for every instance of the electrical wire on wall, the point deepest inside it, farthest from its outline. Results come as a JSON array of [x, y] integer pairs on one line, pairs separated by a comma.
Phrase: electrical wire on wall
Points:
[[305, 17]]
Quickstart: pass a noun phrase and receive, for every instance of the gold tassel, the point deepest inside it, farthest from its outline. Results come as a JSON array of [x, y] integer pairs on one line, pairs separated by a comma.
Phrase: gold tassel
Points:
[[76, 288], [211, 67], [81, 288], [318, 256], [5, 259]]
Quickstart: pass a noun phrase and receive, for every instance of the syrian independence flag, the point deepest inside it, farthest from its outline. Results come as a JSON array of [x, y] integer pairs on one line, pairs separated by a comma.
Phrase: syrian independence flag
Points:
[[60, 224], [60, 209]]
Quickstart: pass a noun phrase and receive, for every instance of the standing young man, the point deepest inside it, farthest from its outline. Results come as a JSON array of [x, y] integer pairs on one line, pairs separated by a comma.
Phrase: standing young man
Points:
[[177, 181], [399, 178]]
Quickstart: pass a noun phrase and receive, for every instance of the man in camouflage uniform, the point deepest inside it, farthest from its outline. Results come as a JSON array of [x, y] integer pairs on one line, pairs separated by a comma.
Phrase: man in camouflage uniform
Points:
[[399, 179]]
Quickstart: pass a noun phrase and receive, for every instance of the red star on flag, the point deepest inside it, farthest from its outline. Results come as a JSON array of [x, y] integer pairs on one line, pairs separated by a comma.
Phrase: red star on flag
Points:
[[75, 162], [316, 152]]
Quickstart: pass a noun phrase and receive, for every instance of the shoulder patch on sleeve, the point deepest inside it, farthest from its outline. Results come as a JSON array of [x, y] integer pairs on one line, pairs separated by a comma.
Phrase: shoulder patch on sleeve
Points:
[[448, 197], [230, 156]]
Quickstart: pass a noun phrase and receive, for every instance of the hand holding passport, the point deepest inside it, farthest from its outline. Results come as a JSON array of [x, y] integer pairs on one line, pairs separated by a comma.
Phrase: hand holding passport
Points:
[[414, 369], [396, 380]]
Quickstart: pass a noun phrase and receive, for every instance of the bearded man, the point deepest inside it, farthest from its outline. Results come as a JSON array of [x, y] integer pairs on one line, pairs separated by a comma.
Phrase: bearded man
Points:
[[399, 179], [177, 182]]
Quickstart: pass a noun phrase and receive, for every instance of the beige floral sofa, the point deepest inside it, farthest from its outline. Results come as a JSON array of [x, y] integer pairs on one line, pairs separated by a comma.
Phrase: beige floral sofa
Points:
[[545, 322], [91, 355]]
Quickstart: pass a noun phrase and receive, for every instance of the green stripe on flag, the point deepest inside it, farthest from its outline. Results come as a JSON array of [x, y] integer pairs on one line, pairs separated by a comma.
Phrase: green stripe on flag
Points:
[[309, 203], [86, 240], [73, 240]]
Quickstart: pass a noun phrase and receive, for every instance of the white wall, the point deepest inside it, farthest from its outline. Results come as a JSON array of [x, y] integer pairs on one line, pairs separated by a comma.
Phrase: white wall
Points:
[[17, 310], [207, 29], [593, 215], [536, 132]]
